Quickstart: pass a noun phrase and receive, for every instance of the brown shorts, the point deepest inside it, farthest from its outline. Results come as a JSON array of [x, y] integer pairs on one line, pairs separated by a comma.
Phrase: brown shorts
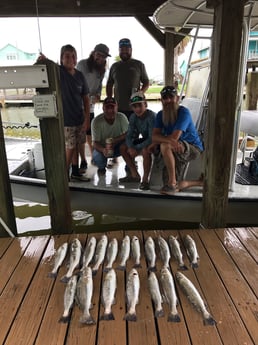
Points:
[[74, 136]]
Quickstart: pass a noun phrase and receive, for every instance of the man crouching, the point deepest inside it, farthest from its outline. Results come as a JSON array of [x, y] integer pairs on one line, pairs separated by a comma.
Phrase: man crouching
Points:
[[178, 138]]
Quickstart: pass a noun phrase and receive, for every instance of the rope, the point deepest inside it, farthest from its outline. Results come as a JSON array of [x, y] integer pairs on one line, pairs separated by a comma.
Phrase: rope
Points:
[[26, 125]]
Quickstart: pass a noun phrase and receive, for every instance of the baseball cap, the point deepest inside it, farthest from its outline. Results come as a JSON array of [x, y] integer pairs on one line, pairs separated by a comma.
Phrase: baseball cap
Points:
[[102, 48], [125, 42], [109, 101], [168, 91], [137, 97]]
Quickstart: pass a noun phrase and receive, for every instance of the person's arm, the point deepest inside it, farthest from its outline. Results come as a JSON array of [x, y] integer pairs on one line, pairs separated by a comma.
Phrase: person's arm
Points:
[[172, 139], [144, 80], [118, 139], [86, 103], [110, 84], [145, 86]]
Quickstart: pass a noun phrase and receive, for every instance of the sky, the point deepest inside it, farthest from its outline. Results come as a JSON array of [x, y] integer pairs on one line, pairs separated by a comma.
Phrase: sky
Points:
[[33, 35]]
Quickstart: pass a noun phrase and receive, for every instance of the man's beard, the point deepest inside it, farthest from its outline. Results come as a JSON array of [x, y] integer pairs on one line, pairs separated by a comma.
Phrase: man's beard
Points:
[[169, 113]]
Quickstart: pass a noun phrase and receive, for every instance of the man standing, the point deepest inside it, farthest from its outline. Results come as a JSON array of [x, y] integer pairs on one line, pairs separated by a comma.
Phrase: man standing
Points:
[[178, 138], [93, 68], [111, 125], [126, 77]]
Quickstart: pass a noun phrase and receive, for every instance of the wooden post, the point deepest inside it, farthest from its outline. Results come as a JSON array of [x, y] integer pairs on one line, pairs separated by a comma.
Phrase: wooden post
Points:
[[52, 135], [169, 58], [252, 91], [228, 19], [6, 201]]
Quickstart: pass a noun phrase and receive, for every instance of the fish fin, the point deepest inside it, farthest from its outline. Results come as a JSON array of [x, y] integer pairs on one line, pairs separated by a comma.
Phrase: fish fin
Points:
[[108, 317], [209, 321], [174, 318], [194, 264], [52, 274], [87, 320], [137, 266], [65, 319], [130, 317], [159, 313], [121, 268]]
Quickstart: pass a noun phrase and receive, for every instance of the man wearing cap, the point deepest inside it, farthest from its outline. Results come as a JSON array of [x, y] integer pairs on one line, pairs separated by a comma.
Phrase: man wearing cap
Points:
[[126, 77], [111, 125], [178, 138], [93, 69], [138, 140]]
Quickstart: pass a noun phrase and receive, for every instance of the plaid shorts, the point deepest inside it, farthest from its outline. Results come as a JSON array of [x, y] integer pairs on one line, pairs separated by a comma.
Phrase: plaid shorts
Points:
[[74, 136]]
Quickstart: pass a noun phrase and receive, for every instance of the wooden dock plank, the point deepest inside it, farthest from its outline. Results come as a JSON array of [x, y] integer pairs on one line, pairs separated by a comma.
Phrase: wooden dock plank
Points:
[[244, 257], [17, 287], [4, 244], [51, 331], [242, 297], [168, 332], [11, 258], [114, 331], [143, 329], [32, 303]]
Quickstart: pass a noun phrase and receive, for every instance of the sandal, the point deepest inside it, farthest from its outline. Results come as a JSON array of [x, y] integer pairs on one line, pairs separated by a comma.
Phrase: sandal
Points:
[[144, 186], [169, 189]]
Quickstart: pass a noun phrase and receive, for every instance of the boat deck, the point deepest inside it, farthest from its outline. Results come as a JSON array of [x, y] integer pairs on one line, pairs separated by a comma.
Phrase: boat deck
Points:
[[32, 303]]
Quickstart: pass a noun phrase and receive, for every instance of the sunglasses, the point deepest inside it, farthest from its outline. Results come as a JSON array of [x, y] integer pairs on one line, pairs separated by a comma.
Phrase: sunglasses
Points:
[[168, 92]]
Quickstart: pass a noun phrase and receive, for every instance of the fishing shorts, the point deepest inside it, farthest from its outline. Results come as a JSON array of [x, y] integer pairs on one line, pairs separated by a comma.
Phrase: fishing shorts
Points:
[[74, 136]]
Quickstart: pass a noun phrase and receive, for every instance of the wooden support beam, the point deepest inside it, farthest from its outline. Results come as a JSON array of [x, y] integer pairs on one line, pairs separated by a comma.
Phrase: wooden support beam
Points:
[[6, 201], [152, 30], [169, 58], [226, 47], [52, 135]]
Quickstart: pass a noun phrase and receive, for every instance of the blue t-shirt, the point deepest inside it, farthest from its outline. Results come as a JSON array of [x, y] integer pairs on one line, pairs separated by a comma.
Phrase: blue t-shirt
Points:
[[183, 123], [73, 88]]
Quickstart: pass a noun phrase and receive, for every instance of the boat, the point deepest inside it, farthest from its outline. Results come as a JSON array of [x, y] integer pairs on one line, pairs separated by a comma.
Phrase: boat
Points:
[[104, 194]]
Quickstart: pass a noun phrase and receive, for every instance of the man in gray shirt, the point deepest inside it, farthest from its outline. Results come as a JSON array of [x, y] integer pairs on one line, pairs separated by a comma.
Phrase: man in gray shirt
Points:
[[126, 77]]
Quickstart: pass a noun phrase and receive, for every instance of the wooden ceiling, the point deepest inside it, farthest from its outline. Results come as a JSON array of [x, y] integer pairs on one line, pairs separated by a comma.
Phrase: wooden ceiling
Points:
[[75, 8]]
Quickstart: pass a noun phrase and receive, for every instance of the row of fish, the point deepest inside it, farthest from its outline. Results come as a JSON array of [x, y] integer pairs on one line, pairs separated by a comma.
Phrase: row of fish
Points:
[[82, 291], [96, 251]]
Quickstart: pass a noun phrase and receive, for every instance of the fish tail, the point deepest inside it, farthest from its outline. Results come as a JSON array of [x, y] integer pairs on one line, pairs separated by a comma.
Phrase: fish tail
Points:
[[183, 267], [121, 268], [209, 321], [108, 316], [52, 274], [87, 320], [65, 279], [130, 317], [159, 313], [94, 272], [152, 269], [194, 265], [65, 319], [107, 269], [174, 318]]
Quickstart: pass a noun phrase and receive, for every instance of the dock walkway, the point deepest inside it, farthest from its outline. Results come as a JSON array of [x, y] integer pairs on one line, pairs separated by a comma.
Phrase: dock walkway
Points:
[[32, 303]]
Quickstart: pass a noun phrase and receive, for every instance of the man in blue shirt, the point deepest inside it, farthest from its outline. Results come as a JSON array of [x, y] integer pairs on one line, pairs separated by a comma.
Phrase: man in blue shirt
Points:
[[177, 136]]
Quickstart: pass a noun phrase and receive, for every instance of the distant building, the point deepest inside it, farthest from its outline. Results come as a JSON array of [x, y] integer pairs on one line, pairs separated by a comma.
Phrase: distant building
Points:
[[11, 55]]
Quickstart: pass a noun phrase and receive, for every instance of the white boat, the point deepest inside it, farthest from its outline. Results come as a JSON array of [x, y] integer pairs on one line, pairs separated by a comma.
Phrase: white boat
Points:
[[104, 194]]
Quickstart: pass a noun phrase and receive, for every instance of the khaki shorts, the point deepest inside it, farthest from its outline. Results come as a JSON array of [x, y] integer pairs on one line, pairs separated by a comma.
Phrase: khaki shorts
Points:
[[74, 136]]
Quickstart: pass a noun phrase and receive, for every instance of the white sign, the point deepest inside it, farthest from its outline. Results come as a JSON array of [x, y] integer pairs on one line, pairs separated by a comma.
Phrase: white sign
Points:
[[45, 106]]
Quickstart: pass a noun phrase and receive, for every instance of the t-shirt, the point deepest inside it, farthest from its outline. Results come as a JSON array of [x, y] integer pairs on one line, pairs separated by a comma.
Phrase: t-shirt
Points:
[[127, 77], [101, 129], [184, 123], [140, 126], [94, 80], [73, 88]]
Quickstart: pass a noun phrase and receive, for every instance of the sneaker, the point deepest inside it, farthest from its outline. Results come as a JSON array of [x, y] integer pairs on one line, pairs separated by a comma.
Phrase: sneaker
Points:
[[101, 172], [83, 167], [80, 178], [144, 186], [129, 178], [169, 189]]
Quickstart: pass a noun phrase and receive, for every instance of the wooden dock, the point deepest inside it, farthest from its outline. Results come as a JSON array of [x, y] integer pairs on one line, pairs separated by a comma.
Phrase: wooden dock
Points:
[[227, 276]]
